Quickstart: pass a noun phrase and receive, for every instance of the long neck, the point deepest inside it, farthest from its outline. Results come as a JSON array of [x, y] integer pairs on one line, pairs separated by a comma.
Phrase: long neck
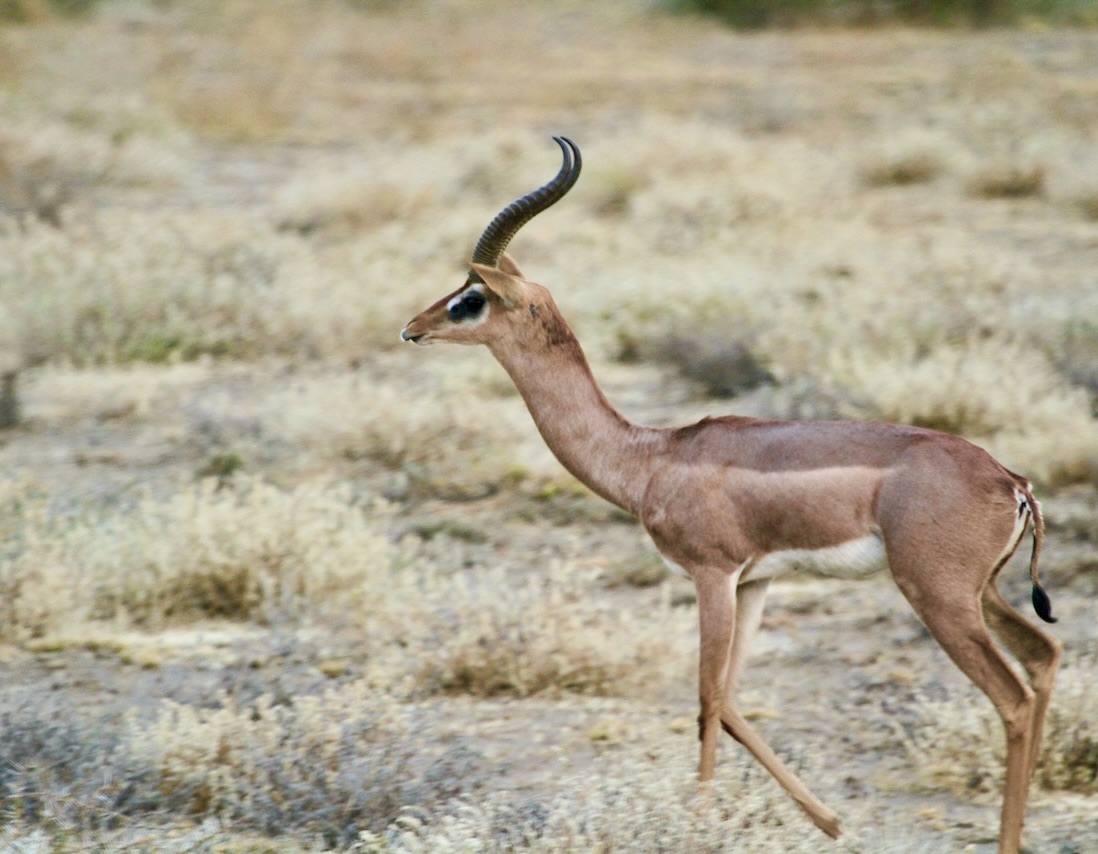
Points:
[[597, 444]]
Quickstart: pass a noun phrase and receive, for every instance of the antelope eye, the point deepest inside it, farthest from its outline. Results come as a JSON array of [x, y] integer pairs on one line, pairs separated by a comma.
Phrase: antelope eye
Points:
[[474, 302], [468, 306]]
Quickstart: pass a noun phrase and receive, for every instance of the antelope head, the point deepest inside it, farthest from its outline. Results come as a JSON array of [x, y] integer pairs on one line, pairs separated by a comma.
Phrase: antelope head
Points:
[[496, 301]]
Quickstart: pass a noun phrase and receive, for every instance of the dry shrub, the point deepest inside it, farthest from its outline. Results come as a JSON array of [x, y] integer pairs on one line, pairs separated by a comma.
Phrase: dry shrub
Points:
[[327, 766], [495, 634], [959, 389], [252, 552], [1086, 200], [34, 596], [1078, 359], [249, 551], [1009, 179], [914, 156], [53, 156], [721, 364], [126, 286], [961, 745], [319, 767], [445, 438], [348, 200]]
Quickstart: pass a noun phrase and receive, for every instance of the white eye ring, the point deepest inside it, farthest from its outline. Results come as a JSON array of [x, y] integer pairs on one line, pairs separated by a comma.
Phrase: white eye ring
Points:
[[461, 312]]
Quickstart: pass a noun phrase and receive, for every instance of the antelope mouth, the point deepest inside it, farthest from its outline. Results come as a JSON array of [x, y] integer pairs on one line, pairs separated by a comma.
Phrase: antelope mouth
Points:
[[412, 338]]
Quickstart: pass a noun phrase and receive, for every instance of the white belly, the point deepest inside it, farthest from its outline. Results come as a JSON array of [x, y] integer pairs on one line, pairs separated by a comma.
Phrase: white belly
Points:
[[675, 568], [853, 559]]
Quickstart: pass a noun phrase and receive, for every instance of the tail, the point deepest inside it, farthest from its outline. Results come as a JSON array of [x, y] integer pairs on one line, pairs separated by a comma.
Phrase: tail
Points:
[[1041, 603]]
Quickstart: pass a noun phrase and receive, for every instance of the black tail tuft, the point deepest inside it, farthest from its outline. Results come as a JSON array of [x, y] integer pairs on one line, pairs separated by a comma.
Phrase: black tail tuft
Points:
[[1042, 604]]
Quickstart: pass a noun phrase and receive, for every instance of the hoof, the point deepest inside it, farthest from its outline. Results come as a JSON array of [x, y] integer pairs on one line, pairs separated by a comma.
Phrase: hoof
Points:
[[829, 824]]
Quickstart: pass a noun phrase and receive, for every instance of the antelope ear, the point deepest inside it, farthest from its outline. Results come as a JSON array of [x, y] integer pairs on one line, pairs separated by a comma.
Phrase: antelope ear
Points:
[[507, 265], [505, 285]]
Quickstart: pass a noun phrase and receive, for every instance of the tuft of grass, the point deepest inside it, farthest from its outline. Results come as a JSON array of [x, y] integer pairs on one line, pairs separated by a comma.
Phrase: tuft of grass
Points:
[[247, 551], [914, 157], [346, 201], [438, 441], [323, 767], [1008, 179], [961, 746], [329, 766], [525, 636], [221, 467], [646, 570], [132, 286], [453, 528], [1079, 358], [721, 364]]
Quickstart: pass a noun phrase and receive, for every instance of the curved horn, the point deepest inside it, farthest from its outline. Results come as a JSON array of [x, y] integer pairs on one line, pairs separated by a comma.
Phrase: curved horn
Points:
[[513, 217]]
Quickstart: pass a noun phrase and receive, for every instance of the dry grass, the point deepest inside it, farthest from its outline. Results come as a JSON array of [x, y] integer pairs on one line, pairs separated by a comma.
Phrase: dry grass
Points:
[[243, 550], [248, 551], [914, 156], [1017, 180], [961, 746], [822, 282], [133, 286], [324, 768], [638, 808], [522, 637], [324, 764], [215, 218], [441, 440]]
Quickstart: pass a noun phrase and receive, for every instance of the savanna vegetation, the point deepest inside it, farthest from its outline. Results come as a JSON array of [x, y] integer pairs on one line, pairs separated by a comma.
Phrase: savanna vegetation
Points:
[[269, 581]]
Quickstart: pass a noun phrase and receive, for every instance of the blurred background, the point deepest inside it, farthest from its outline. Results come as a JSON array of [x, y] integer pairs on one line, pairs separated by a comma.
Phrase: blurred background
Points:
[[235, 512]]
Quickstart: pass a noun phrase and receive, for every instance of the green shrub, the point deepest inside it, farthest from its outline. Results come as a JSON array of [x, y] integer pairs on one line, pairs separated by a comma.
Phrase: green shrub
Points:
[[23, 11], [784, 13]]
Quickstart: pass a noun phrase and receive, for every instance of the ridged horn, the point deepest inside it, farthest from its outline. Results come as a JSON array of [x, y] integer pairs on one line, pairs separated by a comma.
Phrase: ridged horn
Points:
[[513, 217]]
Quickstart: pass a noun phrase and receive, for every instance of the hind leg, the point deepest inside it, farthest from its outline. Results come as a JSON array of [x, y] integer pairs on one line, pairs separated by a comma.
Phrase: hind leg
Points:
[[1037, 652], [955, 619]]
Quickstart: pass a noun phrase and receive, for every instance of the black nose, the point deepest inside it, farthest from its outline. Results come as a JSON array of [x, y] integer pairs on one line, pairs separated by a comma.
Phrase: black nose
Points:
[[404, 336]]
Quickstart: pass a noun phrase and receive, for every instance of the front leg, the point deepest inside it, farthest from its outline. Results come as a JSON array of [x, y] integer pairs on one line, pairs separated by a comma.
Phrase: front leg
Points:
[[747, 605], [717, 618]]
